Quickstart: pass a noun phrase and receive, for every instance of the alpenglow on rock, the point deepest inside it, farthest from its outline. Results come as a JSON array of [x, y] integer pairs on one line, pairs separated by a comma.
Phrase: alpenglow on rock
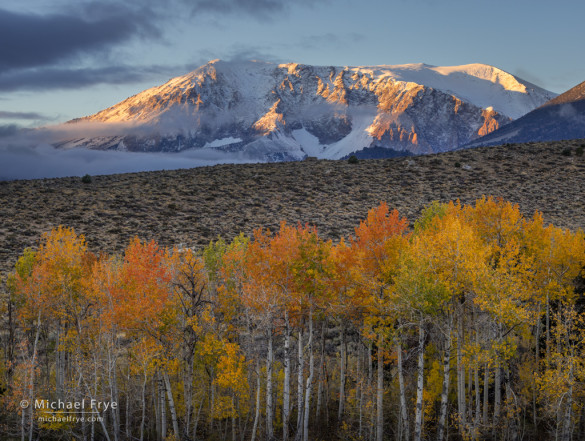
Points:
[[272, 112]]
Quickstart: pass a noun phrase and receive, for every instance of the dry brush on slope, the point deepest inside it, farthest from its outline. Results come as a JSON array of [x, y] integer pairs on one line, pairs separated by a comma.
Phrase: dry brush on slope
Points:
[[196, 205]]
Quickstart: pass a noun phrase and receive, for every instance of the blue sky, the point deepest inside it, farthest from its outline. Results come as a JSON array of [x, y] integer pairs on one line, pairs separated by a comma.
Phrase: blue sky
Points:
[[69, 58]]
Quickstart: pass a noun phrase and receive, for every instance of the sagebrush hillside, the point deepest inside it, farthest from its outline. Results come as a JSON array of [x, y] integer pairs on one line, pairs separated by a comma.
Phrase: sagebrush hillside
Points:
[[193, 206]]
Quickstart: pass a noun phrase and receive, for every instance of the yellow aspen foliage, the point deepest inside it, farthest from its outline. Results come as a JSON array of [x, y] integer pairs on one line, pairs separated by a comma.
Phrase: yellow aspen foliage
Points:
[[433, 388], [558, 255], [49, 283], [471, 323]]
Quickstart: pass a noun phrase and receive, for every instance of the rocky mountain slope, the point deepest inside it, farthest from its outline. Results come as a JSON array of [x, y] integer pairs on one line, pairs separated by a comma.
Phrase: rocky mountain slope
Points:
[[273, 112], [560, 118]]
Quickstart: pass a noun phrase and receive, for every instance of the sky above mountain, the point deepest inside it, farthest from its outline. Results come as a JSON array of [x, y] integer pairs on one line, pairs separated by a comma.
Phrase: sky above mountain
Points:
[[68, 58]]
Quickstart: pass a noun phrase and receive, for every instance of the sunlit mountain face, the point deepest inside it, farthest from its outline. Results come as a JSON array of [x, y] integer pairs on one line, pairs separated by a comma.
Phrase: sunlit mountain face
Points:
[[271, 112], [559, 119]]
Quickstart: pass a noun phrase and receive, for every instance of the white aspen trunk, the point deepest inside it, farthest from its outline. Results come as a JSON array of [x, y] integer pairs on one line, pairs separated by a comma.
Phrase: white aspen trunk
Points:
[[486, 384], [360, 387], [80, 396], [370, 389], [258, 390], [309, 387], [403, 407], [23, 411], [233, 422], [32, 380], [497, 394], [477, 418], [156, 402], [536, 363], [469, 390], [22, 423], [127, 423], [199, 413], [143, 404], [497, 386], [95, 387], [269, 408], [419, 384], [380, 393], [461, 399], [100, 417], [547, 331], [567, 425], [286, 385], [212, 398], [300, 377], [163, 409], [188, 393], [341, 375], [115, 399], [172, 405], [321, 373], [59, 364], [511, 398], [442, 426]]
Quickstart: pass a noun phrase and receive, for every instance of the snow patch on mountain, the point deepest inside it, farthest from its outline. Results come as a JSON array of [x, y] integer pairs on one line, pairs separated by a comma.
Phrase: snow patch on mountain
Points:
[[308, 142], [479, 84], [358, 139], [222, 142]]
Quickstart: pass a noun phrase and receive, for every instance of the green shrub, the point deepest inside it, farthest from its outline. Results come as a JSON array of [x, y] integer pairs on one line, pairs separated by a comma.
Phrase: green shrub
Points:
[[579, 150], [458, 164], [353, 159], [86, 179], [567, 151]]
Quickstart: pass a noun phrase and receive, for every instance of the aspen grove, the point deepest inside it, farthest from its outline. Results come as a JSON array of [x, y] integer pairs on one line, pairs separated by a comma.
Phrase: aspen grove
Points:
[[469, 325]]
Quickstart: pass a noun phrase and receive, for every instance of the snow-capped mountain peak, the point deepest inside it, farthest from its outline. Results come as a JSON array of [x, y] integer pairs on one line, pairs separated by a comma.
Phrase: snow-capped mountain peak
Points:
[[286, 111]]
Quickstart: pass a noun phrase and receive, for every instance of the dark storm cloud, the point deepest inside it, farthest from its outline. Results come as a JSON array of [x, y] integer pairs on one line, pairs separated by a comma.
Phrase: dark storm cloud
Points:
[[8, 130], [239, 52], [330, 40], [22, 115], [69, 48], [255, 8], [30, 40], [86, 28], [71, 78]]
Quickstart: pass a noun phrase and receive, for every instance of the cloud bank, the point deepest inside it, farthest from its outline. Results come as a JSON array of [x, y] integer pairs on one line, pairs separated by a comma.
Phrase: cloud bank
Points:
[[44, 161], [29, 154]]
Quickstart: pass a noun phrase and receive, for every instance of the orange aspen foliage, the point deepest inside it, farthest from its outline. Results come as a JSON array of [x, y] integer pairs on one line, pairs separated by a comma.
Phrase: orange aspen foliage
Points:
[[138, 289], [378, 243]]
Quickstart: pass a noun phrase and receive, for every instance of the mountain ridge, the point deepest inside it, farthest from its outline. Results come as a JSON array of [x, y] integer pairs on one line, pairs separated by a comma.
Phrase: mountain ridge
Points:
[[286, 111], [561, 118]]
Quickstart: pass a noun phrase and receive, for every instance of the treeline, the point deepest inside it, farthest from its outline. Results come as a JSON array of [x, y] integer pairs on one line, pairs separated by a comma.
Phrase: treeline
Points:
[[468, 326]]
